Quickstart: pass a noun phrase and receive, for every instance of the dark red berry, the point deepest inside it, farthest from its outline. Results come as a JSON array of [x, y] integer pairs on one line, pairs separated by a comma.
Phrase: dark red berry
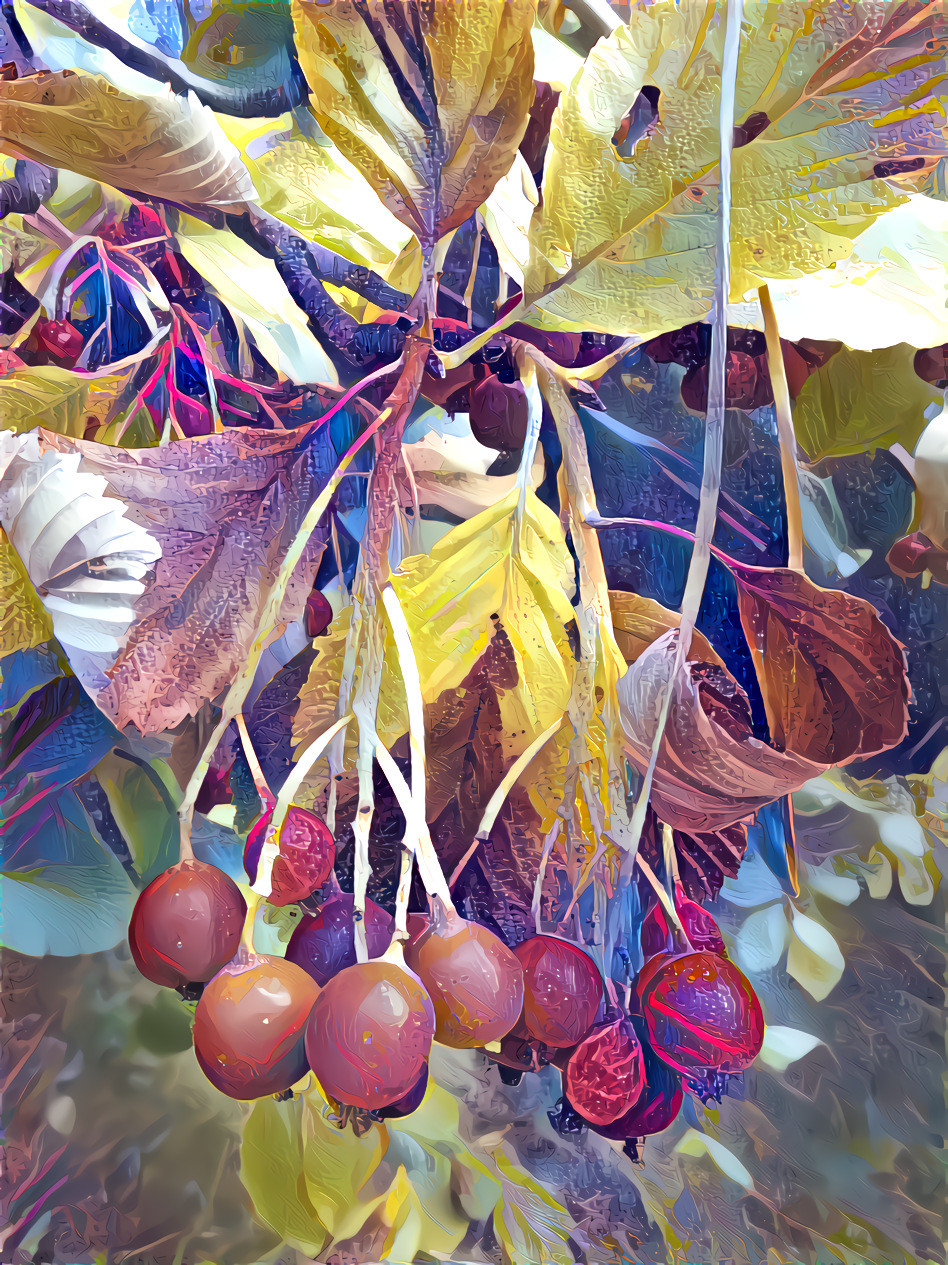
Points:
[[499, 413], [562, 990], [605, 1074], [186, 924], [701, 929], [318, 614]]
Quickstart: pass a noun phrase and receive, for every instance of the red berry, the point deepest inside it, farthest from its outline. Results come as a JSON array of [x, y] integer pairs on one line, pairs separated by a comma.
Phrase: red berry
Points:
[[702, 1014], [931, 365], [324, 945], [605, 1074], [657, 1107], [370, 1033], [499, 413], [700, 927], [186, 924], [474, 981], [410, 1102], [249, 1027], [318, 614], [307, 853], [562, 990], [59, 340]]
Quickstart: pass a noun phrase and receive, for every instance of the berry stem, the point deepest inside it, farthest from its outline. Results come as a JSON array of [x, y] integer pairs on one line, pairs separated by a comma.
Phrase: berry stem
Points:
[[785, 432], [659, 889], [254, 901], [250, 755]]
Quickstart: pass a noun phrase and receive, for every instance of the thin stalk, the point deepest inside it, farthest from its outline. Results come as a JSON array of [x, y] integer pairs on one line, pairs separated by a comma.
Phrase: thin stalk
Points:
[[256, 772], [714, 434], [785, 432]]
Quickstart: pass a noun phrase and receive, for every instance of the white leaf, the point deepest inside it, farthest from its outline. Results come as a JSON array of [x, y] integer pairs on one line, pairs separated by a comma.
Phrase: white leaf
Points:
[[697, 1144], [814, 959], [85, 559], [841, 888], [762, 938], [783, 1046]]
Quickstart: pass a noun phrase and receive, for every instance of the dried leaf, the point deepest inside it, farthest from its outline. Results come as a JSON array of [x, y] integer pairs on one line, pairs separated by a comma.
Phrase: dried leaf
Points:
[[64, 399], [832, 676], [429, 101], [835, 102], [638, 621], [223, 508], [162, 145]]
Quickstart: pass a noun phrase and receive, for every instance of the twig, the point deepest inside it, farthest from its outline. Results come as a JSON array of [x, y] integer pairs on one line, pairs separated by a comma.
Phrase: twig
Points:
[[785, 432], [256, 772]]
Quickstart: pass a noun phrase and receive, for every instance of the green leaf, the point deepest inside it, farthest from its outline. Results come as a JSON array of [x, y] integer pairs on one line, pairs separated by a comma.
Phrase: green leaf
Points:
[[697, 1144], [337, 1166], [862, 400], [783, 1046], [61, 399], [624, 242], [24, 622], [144, 812], [530, 1225]]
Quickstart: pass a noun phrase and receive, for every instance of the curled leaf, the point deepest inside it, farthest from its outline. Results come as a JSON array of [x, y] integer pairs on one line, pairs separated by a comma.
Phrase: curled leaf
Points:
[[429, 101]]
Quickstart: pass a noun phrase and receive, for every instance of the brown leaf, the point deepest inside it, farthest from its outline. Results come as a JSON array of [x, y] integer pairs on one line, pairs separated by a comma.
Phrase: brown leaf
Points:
[[711, 771], [638, 621], [224, 508], [832, 676]]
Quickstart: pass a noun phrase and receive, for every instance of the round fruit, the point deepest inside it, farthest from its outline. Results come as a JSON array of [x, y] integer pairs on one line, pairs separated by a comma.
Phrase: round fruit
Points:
[[605, 1074], [324, 945], [657, 1107], [318, 614], [702, 1014], [186, 924], [499, 413], [700, 928], [370, 1034], [562, 990], [249, 1027], [474, 981], [307, 853]]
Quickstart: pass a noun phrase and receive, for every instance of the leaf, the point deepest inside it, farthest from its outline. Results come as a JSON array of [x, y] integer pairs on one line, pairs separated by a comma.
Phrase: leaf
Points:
[[271, 1169], [337, 1165], [697, 1144], [224, 509], [144, 815], [711, 770], [892, 289], [308, 183], [162, 145], [83, 556], [64, 892], [475, 584], [814, 959], [639, 621], [64, 397], [762, 938], [783, 1046], [24, 621], [529, 1224], [428, 101], [256, 296], [834, 102], [832, 676], [861, 400], [451, 471], [507, 214]]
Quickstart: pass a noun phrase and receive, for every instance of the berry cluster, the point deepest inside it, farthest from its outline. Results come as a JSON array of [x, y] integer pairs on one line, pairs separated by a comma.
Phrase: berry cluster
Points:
[[365, 1029]]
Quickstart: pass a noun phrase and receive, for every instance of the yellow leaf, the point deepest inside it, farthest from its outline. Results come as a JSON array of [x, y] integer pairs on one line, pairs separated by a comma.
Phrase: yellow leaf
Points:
[[336, 1167], [476, 581], [863, 399], [530, 1225], [162, 145], [24, 622], [431, 132], [271, 1169], [624, 241], [61, 400], [309, 184]]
